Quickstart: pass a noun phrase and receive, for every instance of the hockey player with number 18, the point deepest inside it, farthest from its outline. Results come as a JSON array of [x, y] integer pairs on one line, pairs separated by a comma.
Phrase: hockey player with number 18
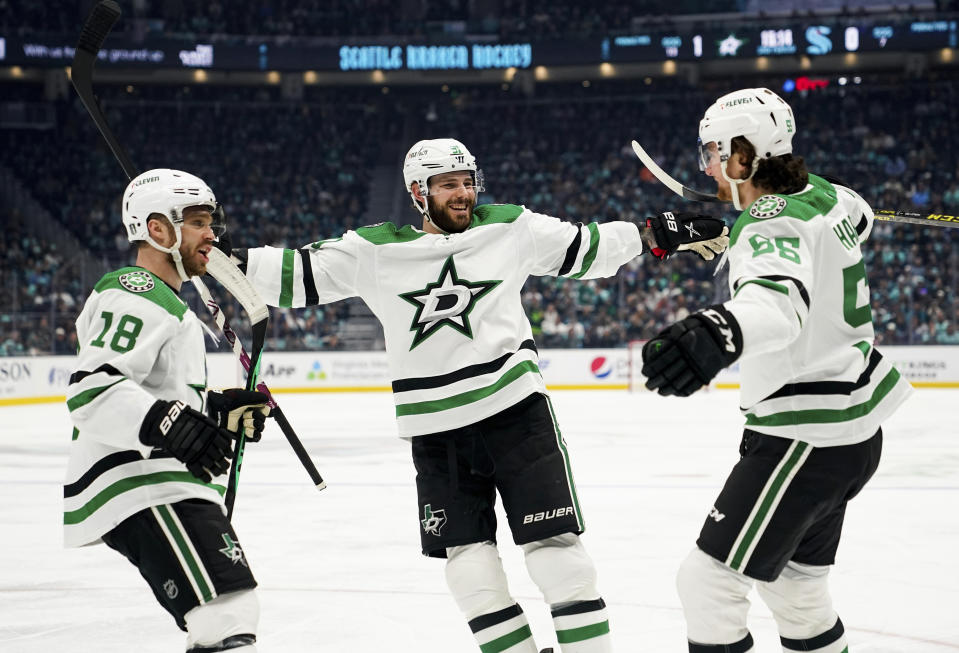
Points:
[[815, 391], [466, 380], [147, 465]]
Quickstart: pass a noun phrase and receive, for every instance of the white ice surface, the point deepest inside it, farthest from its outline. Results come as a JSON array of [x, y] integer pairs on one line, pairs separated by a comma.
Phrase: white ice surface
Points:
[[340, 571]]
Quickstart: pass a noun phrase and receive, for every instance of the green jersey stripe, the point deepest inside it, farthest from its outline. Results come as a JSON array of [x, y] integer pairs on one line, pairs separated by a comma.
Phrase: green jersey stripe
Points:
[[591, 252], [582, 633], [470, 396], [766, 502], [87, 396], [569, 469], [386, 233], [495, 214], [161, 294], [186, 554], [286, 279], [131, 483], [507, 641], [318, 244], [828, 415]]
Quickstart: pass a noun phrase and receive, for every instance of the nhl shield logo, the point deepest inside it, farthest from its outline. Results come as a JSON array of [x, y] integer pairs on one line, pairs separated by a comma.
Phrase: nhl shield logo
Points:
[[171, 589], [136, 281], [433, 520]]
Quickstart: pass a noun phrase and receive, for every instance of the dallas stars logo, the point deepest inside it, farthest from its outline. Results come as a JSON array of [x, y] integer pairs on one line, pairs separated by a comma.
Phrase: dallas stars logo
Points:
[[446, 301], [433, 520], [136, 281], [730, 45], [232, 550]]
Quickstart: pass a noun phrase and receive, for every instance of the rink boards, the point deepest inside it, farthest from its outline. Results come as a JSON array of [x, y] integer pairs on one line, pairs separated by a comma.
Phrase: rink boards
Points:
[[41, 379]]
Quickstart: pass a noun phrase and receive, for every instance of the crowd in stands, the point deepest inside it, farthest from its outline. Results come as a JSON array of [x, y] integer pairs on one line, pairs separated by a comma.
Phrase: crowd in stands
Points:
[[39, 292], [538, 19], [292, 173]]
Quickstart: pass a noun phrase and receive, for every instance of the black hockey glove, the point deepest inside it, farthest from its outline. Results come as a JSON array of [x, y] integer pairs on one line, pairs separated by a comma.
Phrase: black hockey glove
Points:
[[192, 438], [686, 355], [237, 408], [224, 243], [677, 231]]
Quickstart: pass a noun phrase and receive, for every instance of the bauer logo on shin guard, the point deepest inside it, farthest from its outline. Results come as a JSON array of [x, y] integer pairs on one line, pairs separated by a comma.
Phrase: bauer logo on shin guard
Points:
[[433, 520], [549, 514]]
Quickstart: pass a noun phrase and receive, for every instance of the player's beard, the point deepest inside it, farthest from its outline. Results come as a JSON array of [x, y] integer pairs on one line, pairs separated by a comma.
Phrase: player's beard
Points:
[[193, 263], [449, 221]]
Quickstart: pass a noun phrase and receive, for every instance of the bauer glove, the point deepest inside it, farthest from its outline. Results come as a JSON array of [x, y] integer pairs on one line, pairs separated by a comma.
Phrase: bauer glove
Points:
[[190, 436], [237, 408], [677, 231], [686, 355]]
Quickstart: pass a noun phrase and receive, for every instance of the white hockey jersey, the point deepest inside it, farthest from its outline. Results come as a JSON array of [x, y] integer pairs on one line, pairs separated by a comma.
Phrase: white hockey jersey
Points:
[[808, 369], [138, 343], [459, 344]]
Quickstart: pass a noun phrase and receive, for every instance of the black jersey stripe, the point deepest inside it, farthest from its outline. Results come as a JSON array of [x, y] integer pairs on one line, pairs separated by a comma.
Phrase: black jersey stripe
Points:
[[309, 283], [428, 382], [572, 251], [829, 387], [79, 375], [485, 621], [102, 466], [778, 277]]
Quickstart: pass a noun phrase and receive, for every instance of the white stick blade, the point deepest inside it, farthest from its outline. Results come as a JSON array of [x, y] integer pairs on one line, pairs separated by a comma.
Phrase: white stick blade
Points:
[[658, 172], [232, 278]]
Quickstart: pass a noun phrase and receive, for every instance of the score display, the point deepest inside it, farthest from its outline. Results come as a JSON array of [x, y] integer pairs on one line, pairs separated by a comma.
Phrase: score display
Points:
[[756, 39], [760, 40]]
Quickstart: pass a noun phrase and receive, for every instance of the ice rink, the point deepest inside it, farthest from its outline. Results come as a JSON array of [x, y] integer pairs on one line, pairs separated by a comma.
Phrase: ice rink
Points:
[[340, 571]]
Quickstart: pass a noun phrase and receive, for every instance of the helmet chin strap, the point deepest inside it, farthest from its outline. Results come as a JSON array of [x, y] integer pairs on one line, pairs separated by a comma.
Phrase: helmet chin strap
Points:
[[173, 251], [425, 212], [734, 183]]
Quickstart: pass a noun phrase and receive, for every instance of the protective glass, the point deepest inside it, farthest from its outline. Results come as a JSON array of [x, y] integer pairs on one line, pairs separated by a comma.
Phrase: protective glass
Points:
[[218, 225], [708, 154], [475, 184]]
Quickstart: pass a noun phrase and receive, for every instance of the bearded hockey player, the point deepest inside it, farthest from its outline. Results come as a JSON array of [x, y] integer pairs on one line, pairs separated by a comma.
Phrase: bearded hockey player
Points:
[[815, 390], [466, 383], [147, 464]]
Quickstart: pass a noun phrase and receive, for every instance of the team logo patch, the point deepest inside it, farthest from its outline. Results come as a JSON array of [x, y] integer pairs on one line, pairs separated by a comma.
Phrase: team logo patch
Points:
[[433, 520], [172, 591], [137, 281], [767, 206], [232, 550], [447, 301]]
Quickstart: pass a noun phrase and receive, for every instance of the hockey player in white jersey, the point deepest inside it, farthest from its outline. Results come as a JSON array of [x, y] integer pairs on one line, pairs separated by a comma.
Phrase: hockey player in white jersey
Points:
[[815, 391], [147, 466], [466, 381]]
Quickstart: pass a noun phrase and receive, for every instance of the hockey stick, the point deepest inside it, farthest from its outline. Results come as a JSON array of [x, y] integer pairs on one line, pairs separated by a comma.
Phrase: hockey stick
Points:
[[229, 275], [887, 215], [275, 411], [101, 20]]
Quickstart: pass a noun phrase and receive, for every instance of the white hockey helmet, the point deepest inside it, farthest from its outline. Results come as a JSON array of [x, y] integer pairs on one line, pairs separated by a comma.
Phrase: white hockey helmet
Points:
[[434, 157], [169, 193], [758, 115]]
